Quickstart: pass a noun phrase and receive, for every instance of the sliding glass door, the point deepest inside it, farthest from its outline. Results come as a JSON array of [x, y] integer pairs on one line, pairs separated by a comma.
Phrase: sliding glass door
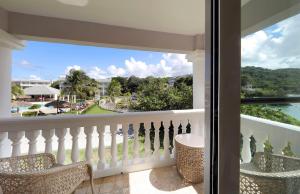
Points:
[[270, 92]]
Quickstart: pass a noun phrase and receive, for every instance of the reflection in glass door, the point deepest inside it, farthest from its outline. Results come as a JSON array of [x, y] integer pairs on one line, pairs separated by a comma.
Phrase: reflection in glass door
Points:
[[270, 92]]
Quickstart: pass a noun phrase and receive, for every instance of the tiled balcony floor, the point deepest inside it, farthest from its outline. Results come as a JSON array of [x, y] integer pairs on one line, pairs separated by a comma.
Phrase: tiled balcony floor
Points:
[[153, 181]]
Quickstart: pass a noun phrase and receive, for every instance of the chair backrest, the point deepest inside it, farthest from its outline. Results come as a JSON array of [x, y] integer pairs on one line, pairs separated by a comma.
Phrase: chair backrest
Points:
[[275, 163], [27, 163]]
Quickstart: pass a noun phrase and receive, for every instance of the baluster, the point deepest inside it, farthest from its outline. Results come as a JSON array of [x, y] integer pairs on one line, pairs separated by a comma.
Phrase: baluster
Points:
[[176, 125], [101, 161], [2, 138], [125, 144], [113, 131], [184, 124], [88, 150], [156, 153], [61, 133], [147, 139], [260, 140], [47, 135], [246, 151], [32, 137], [136, 127], [166, 139], [16, 137], [75, 150]]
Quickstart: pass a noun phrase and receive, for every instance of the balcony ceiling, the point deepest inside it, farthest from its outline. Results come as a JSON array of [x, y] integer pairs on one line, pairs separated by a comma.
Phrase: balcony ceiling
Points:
[[173, 16]]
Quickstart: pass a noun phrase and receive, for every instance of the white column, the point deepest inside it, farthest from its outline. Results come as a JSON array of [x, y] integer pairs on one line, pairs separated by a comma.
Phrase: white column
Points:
[[147, 127], [166, 140], [246, 150], [5, 81], [101, 150], [48, 134], [197, 58], [7, 44], [125, 145], [156, 154], [32, 137], [61, 133], [75, 150], [88, 149], [113, 131], [136, 127]]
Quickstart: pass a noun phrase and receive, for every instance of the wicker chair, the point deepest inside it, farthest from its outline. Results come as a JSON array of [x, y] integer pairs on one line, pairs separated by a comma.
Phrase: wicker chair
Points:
[[39, 173], [279, 175]]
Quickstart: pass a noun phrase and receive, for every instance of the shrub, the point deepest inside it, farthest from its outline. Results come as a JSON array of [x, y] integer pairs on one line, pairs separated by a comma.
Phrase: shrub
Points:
[[35, 106], [29, 114], [287, 150], [268, 151]]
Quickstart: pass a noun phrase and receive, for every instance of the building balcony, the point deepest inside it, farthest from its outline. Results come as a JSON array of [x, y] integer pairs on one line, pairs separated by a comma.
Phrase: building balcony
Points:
[[126, 158], [128, 151]]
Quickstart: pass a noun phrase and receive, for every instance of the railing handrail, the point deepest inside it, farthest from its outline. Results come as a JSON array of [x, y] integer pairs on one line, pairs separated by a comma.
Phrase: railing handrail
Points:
[[68, 121], [272, 123]]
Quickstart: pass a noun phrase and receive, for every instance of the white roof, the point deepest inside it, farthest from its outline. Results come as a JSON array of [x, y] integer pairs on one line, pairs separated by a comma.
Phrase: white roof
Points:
[[41, 90]]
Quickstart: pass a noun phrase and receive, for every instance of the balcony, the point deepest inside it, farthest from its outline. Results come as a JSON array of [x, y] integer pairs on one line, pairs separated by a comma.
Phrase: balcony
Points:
[[279, 135], [69, 137]]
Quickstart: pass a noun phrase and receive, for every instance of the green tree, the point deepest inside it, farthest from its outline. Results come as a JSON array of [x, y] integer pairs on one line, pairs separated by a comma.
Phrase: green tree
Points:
[[133, 83], [16, 91], [79, 84], [114, 89], [123, 81], [56, 84], [151, 96]]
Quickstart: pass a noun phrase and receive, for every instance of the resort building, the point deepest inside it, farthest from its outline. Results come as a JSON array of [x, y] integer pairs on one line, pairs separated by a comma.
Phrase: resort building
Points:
[[42, 93], [29, 83], [103, 85]]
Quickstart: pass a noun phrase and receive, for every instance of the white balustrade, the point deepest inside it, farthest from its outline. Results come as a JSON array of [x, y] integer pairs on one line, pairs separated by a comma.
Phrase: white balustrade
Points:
[[2, 138], [113, 131], [136, 127], [15, 137], [61, 133], [32, 137], [48, 135], [147, 145], [279, 134], [176, 125], [156, 153], [125, 144], [184, 124], [88, 148], [32, 128], [101, 161], [75, 149], [166, 139]]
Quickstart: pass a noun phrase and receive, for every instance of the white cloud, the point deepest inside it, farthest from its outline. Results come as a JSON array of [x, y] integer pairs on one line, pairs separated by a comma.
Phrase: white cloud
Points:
[[69, 68], [96, 73], [34, 77], [274, 47], [170, 65], [116, 71]]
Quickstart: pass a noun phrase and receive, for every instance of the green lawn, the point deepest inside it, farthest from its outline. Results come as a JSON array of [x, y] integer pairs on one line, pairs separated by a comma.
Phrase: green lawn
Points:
[[108, 152], [95, 109]]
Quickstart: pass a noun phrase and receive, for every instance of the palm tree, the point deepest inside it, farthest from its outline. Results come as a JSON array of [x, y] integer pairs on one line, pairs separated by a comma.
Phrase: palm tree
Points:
[[16, 91], [79, 84]]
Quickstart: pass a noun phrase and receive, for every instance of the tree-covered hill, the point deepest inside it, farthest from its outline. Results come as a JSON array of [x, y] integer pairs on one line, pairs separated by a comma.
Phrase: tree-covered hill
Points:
[[268, 82]]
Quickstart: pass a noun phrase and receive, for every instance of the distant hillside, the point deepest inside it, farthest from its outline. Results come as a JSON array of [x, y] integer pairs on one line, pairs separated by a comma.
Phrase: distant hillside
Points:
[[267, 82]]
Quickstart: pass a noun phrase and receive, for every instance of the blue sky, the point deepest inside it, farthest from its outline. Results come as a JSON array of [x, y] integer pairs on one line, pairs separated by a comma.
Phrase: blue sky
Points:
[[277, 46], [42, 60]]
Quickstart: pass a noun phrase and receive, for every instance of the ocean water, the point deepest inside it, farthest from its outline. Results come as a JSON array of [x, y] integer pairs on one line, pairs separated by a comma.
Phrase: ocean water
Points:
[[292, 110]]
